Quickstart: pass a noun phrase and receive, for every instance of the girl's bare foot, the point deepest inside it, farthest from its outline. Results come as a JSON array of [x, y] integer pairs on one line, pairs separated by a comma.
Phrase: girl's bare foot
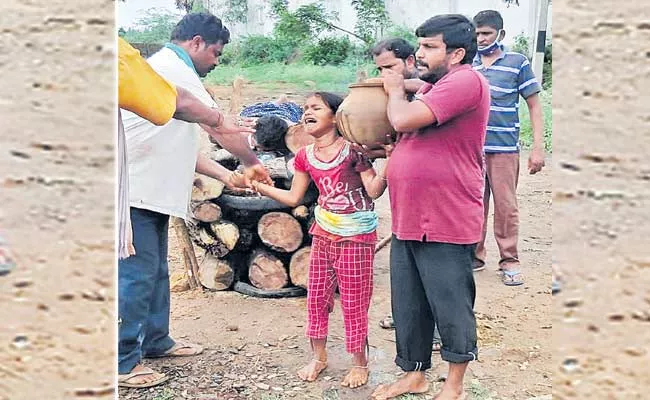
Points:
[[310, 372], [412, 382], [358, 376]]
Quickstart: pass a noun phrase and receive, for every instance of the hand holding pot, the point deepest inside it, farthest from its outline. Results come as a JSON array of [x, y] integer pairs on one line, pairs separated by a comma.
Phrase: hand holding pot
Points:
[[393, 82]]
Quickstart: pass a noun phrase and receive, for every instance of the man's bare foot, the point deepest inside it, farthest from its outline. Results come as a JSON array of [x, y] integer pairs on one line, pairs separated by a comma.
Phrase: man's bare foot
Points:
[[412, 382], [358, 376], [450, 394], [310, 372]]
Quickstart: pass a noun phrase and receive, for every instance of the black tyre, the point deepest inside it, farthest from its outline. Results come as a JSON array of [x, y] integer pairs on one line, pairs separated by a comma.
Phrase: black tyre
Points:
[[259, 203], [250, 290]]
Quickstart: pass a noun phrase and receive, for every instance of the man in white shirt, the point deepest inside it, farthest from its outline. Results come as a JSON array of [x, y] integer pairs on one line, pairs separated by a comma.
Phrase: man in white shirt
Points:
[[162, 161]]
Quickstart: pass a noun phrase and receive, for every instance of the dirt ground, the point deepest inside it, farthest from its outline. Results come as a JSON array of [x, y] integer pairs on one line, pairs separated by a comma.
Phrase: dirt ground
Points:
[[56, 199], [254, 346], [601, 199]]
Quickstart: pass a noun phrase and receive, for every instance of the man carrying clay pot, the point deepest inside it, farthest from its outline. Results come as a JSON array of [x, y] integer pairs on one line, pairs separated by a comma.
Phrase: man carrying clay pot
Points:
[[435, 181], [397, 55]]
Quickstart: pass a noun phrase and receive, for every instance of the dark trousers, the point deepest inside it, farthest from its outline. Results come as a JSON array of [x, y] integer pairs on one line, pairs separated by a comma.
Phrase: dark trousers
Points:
[[143, 292], [432, 284]]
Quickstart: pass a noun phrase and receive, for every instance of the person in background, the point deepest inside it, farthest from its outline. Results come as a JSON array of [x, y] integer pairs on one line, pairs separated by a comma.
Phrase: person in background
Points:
[[510, 76]]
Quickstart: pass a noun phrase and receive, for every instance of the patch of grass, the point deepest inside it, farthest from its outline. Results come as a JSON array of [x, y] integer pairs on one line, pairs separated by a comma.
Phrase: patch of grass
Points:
[[526, 133], [478, 392], [166, 394], [300, 76]]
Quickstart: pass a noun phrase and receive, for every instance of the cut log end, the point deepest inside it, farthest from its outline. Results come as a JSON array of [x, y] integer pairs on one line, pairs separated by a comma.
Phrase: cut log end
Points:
[[280, 231], [206, 188], [299, 267], [205, 211], [215, 273], [266, 271]]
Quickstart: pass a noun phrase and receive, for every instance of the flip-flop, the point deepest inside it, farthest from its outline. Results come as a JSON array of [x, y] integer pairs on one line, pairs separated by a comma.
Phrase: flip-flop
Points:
[[387, 323], [508, 278], [123, 379], [172, 352], [7, 264]]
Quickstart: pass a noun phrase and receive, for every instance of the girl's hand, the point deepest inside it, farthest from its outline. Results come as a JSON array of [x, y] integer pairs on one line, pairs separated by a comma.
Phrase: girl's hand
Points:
[[389, 146]]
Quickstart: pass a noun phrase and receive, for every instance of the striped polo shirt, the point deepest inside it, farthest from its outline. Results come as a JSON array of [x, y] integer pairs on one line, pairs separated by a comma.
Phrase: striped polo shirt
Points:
[[510, 76]]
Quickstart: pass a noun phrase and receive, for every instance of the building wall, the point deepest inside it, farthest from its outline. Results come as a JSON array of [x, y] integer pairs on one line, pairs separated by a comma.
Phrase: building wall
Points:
[[411, 13]]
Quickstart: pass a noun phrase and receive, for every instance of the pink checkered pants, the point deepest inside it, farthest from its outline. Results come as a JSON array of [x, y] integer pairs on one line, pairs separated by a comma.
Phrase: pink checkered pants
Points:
[[350, 265]]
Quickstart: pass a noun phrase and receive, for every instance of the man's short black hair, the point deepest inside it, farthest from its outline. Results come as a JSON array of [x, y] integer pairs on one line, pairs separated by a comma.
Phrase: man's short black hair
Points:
[[457, 31], [489, 18], [205, 25], [269, 133], [398, 46]]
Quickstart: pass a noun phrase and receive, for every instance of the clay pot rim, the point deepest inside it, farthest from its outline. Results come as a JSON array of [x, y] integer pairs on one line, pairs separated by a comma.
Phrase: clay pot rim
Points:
[[366, 84]]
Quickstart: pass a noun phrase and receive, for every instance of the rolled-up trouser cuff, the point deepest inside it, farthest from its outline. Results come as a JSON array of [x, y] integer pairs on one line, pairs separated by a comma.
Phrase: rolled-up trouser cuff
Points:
[[456, 358], [410, 366]]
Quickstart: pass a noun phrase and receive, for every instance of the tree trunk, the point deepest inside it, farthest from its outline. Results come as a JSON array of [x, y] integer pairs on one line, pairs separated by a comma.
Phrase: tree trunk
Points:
[[296, 138], [299, 267], [205, 211], [280, 231], [206, 188], [215, 273], [266, 271]]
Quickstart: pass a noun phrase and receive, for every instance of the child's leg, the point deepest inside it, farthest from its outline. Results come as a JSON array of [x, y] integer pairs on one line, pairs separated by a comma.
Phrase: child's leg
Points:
[[320, 302], [353, 268]]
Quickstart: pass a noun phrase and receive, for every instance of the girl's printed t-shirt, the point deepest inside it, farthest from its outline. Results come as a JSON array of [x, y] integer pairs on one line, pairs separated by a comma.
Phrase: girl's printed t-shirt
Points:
[[339, 185]]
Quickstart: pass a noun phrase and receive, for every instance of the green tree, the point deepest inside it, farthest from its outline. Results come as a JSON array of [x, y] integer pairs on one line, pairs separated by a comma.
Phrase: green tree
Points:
[[372, 19], [154, 27]]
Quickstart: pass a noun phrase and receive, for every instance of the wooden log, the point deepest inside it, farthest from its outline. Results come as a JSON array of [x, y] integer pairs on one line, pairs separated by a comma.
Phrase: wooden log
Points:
[[297, 137], [216, 273], [205, 211], [280, 231], [189, 257], [226, 233], [266, 271], [300, 212], [299, 267], [277, 168], [218, 238], [206, 188]]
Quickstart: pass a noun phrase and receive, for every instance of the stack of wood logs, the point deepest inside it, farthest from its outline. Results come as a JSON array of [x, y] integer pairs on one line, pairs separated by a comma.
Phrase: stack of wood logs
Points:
[[244, 240]]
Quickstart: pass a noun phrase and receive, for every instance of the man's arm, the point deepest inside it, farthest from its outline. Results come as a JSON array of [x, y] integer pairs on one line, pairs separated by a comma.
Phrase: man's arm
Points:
[[403, 115], [191, 109], [536, 158], [413, 85], [213, 169]]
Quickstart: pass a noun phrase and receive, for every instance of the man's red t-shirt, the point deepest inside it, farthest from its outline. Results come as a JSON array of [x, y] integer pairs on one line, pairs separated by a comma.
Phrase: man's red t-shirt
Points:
[[435, 174], [339, 185]]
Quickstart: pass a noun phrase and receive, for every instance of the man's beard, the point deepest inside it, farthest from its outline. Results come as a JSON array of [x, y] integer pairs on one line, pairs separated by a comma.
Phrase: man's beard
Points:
[[433, 75]]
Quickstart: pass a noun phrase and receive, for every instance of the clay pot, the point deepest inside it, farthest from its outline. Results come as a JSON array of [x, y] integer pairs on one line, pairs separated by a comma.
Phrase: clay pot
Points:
[[362, 117]]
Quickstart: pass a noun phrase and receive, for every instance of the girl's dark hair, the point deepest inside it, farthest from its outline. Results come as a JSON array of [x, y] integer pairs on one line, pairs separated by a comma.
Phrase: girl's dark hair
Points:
[[331, 100]]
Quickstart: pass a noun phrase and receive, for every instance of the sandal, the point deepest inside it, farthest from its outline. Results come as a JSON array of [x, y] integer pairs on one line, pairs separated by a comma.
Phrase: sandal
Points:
[[387, 323], [509, 278], [7, 263], [174, 350], [123, 380]]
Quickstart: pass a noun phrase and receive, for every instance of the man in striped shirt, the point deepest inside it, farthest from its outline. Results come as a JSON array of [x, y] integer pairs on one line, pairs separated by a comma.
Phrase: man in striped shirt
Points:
[[510, 76]]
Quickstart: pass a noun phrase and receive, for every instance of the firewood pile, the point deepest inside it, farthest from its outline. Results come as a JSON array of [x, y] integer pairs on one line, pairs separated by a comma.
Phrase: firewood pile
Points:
[[249, 238]]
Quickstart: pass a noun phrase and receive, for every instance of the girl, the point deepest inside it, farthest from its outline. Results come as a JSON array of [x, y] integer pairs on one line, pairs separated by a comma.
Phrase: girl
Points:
[[344, 234]]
